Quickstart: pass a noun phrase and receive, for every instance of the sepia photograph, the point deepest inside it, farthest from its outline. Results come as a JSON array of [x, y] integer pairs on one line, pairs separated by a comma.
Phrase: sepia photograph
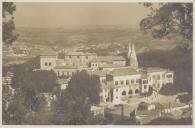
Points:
[[97, 63]]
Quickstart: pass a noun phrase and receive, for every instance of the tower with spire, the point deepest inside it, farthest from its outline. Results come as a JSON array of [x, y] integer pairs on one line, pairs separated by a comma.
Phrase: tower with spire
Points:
[[132, 57]]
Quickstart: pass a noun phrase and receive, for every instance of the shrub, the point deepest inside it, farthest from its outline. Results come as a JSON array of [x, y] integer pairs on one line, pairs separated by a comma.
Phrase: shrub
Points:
[[185, 98], [168, 89]]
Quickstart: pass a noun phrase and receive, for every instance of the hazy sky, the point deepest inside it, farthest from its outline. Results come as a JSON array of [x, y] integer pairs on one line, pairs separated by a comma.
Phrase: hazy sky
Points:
[[78, 14]]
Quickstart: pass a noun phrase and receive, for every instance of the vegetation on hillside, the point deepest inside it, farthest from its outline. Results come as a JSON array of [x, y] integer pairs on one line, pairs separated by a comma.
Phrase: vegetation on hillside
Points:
[[170, 121], [8, 10], [73, 106], [166, 18]]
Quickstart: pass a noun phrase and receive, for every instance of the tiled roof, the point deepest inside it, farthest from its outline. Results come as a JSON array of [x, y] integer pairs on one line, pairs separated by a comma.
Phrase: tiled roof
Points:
[[65, 67], [155, 69], [124, 71], [143, 75], [79, 53], [99, 73], [43, 53], [111, 66], [108, 59]]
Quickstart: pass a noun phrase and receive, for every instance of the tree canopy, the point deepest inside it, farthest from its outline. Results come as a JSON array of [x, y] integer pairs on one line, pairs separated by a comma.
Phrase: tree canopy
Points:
[[73, 105], [8, 23], [166, 18]]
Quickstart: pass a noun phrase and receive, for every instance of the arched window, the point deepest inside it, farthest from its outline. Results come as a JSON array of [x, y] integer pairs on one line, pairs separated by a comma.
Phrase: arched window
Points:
[[136, 91], [123, 93], [130, 92], [49, 63]]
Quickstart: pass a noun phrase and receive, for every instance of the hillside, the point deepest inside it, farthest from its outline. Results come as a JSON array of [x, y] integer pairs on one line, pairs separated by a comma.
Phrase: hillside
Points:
[[95, 38]]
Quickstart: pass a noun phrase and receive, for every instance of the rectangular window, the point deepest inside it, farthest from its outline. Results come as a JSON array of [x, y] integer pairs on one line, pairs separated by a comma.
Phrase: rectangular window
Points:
[[132, 81], [78, 57], [86, 57], [127, 82], [145, 86], [116, 82], [158, 77], [69, 56], [122, 82], [163, 76], [137, 80]]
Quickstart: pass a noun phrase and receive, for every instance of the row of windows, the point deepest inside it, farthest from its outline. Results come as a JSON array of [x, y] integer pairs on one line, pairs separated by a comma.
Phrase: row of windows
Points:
[[145, 81], [127, 82], [78, 57], [130, 92], [94, 65], [156, 77], [169, 76], [124, 93], [48, 64], [65, 73]]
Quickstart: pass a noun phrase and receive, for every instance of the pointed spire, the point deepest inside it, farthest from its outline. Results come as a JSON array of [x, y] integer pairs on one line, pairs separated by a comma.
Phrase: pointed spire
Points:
[[129, 51], [132, 56]]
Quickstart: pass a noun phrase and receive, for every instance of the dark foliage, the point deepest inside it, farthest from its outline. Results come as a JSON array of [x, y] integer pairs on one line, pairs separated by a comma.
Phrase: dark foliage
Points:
[[83, 85], [8, 25], [169, 18], [73, 105], [131, 121], [170, 121], [168, 89], [16, 110], [185, 98]]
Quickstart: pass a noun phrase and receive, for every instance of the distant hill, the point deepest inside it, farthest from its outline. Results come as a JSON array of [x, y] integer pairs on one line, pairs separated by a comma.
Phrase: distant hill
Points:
[[98, 36]]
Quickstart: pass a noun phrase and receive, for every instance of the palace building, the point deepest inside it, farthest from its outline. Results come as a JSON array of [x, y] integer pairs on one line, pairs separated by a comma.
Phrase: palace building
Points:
[[120, 77]]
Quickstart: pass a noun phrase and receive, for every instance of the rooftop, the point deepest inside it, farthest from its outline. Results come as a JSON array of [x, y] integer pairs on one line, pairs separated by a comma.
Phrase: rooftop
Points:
[[156, 69], [111, 66], [108, 58], [79, 53], [94, 108], [48, 53], [99, 72], [65, 67], [124, 71]]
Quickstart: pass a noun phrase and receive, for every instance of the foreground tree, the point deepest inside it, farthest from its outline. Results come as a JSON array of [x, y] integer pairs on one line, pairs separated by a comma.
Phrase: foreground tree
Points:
[[73, 106], [8, 23], [166, 18], [83, 85]]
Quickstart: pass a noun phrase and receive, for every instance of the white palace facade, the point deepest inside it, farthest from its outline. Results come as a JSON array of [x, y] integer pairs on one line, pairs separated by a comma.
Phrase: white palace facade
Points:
[[120, 78]]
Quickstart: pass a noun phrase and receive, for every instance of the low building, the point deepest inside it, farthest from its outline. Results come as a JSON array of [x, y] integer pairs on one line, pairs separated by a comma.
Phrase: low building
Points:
[[63, 83], [146, 106], [97, 110], [159, 77]]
